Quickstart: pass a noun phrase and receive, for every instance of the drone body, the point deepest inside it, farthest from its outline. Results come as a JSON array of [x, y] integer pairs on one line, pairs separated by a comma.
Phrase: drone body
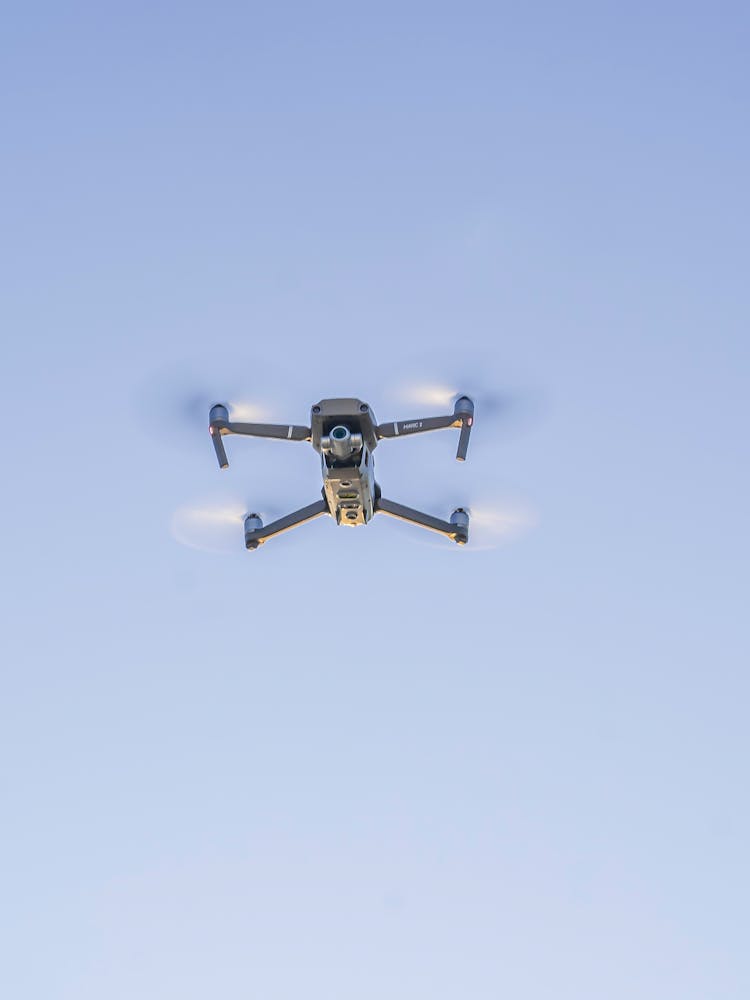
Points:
[[345, 434]]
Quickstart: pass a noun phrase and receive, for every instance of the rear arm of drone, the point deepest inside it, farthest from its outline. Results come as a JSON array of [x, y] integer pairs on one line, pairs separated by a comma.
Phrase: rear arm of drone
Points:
[[457, 529], [256, 534], [462, 416], [220, 424]]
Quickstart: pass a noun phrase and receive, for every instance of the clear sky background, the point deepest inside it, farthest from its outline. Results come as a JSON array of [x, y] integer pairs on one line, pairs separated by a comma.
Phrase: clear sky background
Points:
[[352, 765]]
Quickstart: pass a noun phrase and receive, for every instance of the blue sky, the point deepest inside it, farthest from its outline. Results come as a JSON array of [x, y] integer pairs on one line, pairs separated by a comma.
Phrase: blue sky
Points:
[[353, 764]]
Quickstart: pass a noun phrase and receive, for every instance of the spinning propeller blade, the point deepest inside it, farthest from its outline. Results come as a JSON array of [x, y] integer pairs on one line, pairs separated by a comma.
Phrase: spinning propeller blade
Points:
[[492, 524], [439, 397], [178, 403], [214, 527]]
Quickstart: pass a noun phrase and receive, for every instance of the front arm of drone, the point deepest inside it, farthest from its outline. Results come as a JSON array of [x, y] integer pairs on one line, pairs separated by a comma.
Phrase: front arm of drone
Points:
[[220, 424], [462, 416]]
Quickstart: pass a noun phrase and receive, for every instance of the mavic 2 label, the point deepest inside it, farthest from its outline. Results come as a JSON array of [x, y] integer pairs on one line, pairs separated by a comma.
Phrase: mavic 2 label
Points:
[[411, 426]]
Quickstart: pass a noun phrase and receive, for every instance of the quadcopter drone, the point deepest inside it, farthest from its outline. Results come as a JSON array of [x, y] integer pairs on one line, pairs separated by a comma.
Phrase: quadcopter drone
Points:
[[345, 434]]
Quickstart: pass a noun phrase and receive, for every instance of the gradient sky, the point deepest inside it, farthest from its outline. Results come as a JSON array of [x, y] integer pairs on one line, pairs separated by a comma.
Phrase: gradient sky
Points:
[[353, 766]]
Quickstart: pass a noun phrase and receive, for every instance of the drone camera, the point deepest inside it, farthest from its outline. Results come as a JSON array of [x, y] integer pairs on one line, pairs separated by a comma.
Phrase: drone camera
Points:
[[340, 442]]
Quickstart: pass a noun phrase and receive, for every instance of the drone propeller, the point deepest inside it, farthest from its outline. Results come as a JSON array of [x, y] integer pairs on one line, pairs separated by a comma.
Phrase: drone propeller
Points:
[[179, 403], [429, 389], [439, 396], [217, 527], [193, 407], [492, 523]]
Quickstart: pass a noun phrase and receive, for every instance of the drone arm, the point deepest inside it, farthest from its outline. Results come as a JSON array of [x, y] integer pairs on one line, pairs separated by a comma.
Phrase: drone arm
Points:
[[220, 424], [463, 439], [457, 529], [221, 454], [282, 432], [463, 417], [400, 428], [256, 534]]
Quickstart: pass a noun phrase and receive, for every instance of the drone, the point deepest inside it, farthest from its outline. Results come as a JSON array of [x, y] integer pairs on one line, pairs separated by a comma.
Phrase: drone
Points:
[[345, 434]]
